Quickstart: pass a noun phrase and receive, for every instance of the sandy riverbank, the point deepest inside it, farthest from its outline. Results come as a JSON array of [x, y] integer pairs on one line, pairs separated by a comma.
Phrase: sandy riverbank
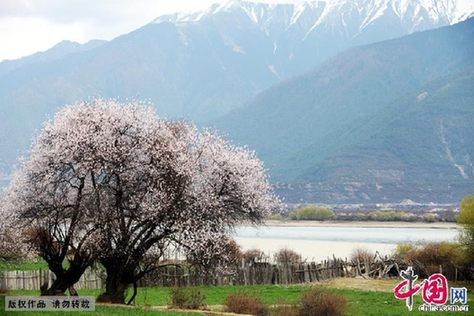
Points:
[[374, 224]]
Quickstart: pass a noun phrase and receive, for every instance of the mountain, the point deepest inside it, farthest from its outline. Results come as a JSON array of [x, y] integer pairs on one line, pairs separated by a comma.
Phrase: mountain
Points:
[[203, 65], [56, 52], [421, 148], [383, 122]]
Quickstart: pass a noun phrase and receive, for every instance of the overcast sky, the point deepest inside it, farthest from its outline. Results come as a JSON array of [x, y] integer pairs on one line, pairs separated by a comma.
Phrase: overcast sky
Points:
[[29, 26]]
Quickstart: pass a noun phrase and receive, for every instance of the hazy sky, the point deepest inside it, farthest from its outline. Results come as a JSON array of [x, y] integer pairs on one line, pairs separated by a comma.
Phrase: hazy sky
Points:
[[28, 26]]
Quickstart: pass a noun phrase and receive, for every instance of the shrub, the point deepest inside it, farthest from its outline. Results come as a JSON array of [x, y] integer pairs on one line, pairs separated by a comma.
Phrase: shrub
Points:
[[254, 255], [362, 255], [322, 303], [390, 216], [430, 217], [286, 255], [402, 250], [186, 298], [241, 303], [427, 259], [312, 213], [233, 251], [466, 220], [226, 256]]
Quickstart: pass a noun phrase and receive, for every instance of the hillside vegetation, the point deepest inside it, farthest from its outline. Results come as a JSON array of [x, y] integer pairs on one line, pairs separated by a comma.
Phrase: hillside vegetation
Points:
[[382, 122]]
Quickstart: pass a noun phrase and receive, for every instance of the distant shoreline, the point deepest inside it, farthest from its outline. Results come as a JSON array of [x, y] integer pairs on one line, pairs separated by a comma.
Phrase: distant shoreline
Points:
[[371, 224]]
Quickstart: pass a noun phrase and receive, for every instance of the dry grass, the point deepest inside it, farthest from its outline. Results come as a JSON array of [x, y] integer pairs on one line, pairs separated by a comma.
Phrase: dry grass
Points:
[[380, 285]]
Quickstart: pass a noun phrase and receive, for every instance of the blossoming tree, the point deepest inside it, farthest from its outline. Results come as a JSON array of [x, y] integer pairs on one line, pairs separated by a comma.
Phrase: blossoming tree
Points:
[[13, 242], [114, 183]]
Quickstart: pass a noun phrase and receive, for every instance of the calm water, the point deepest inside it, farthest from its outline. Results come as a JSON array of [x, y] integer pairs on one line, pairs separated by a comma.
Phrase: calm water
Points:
[[320, 242]]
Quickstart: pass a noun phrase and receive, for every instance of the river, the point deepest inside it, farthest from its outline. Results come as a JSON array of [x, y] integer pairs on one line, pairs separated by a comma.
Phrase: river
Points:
[[320, 242]]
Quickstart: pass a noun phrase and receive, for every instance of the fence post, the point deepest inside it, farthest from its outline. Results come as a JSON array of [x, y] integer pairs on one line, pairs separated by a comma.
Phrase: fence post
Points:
[[2, 281]]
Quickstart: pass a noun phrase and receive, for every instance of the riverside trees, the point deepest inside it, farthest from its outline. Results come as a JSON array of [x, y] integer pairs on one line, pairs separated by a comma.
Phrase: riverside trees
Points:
[[113, 183], [466, 219]]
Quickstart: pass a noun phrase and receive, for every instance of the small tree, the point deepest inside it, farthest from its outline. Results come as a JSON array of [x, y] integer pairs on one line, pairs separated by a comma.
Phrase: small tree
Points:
[[286, 256], [254, 255], [223, 255], [466, 219]]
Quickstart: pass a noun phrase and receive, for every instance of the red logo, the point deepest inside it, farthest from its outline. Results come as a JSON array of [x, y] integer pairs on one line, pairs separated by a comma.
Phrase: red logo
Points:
[[434, 289]]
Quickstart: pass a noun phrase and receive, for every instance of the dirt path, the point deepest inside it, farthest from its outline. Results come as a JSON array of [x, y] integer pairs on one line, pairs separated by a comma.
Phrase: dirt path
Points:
[[212, 309]]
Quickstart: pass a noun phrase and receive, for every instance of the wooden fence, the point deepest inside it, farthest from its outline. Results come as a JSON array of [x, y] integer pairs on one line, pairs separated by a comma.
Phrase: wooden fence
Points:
[[248, 274], [183, 275], [176, 273], [32, 280]]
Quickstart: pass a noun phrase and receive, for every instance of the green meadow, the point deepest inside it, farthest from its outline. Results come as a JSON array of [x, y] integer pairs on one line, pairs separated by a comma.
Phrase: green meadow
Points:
[[364, 297]]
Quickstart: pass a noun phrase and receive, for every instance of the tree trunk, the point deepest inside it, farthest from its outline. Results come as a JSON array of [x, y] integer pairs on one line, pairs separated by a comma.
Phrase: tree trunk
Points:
[[63, 281], [115, 287], [59, 286], [134, 293]]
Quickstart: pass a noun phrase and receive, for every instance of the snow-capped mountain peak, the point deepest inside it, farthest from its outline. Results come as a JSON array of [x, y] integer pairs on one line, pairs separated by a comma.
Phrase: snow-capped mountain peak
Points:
[[414, 15], [292, 36]]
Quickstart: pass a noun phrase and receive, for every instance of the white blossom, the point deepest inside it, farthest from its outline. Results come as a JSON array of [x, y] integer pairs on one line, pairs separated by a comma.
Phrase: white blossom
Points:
[[120, 181]]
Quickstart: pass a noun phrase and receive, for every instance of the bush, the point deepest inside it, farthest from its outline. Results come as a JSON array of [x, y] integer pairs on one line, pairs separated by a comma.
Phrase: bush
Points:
[[254, 255], [286, 255], [186, 298], [312, 213], [390, 216], [466, 220], [362, 255], [402, 251], [241, 303], [430, 217], [226, 256], [322, 303], [427, 259]]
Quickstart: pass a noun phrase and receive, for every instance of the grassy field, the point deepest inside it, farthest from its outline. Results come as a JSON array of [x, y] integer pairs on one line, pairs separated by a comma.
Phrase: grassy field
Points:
[[361, 300], [23, 265]]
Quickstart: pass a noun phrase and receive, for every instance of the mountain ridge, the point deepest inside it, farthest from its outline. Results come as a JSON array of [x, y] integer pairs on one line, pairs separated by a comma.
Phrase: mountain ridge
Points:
[[453, 11], [308, 123], [204, 68], [58, 51]]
